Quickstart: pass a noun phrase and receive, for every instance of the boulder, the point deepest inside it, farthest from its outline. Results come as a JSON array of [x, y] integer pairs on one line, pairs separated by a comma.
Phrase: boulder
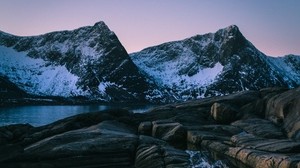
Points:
[[169, 131], [284, 109], [157, 156], [149, 156], [145, 128], [223, 113]]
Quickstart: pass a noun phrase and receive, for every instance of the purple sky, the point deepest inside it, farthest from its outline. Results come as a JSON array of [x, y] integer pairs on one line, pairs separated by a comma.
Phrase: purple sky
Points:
[[273, 26]]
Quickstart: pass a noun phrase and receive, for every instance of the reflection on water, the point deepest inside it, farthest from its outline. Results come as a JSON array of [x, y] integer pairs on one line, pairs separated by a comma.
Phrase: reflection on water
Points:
[[42, 115]]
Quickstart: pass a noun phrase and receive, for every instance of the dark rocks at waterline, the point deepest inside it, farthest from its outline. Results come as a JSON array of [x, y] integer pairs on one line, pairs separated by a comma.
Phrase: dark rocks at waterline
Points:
[[261, 131]]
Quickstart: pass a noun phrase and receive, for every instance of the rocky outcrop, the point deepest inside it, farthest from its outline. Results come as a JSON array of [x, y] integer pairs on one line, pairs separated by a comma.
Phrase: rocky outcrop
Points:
[[159, 137], [223, 113], [284, 109], [110, 143], [172, 132], [155, 156]]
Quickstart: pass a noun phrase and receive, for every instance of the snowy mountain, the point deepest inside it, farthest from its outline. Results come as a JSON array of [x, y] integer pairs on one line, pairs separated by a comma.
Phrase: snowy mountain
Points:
[[89, 62], [92, 64], [215, 64]]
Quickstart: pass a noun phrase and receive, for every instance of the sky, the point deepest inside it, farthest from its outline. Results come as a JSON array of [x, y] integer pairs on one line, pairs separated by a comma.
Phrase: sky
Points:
[[273, 26]]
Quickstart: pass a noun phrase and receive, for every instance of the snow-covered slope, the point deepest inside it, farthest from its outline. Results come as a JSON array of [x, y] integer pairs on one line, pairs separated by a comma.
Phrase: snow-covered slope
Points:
[[213, 64], [89, 61], [37, 76], [288, 66]]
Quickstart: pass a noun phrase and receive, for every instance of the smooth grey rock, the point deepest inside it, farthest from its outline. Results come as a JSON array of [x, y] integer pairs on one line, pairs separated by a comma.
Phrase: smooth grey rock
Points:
[[113, 143], [259, 127]]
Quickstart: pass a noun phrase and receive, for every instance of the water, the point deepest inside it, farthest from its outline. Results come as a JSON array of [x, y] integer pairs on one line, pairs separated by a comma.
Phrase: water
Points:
[[42, 115], [199, 159]]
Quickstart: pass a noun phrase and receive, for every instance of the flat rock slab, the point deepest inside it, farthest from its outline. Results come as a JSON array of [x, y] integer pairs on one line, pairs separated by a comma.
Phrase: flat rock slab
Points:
[[211, 132], [244, 157], [259, 127], [269, 145], [261, 159], [112, 142]]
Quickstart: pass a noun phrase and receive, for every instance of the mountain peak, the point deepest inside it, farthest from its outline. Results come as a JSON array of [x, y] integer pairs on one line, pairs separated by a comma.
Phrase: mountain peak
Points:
[[231, 30], [101, 25]]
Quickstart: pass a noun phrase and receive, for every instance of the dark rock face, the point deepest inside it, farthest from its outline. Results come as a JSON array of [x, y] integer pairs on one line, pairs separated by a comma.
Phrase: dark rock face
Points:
[[9, 90]]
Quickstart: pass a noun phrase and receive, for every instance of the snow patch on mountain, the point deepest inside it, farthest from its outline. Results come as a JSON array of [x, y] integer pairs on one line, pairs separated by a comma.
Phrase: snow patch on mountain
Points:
[[205, 76], [167, 73], [37, 76]]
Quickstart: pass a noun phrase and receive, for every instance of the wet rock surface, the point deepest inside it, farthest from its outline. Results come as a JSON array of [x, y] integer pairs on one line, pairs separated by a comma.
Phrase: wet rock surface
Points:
[[263, 133]]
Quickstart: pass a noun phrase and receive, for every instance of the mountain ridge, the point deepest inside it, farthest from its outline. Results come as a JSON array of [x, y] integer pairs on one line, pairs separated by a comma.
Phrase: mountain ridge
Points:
[[240, 63], [91, 62], [92, 54]]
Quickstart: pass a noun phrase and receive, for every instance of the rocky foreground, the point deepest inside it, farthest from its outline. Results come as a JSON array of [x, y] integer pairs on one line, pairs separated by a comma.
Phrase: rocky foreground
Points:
[[248, 129]]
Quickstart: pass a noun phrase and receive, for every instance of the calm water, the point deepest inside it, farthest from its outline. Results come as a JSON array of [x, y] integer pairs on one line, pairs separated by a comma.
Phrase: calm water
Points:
[[42, 115]]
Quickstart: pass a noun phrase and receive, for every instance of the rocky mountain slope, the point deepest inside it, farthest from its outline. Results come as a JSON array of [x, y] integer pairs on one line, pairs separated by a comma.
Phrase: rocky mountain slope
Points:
[[215, 64], [89, 62]]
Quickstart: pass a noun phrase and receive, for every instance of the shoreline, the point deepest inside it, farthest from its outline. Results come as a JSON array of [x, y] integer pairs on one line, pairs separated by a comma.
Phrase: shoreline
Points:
[[245, 128]]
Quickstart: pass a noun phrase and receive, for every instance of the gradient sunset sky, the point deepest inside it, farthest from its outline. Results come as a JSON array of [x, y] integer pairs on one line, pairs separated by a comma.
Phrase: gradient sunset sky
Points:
[[273, 26]]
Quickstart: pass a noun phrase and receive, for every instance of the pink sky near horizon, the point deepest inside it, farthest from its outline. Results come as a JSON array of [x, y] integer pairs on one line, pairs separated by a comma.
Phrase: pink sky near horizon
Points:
[[271, 25]]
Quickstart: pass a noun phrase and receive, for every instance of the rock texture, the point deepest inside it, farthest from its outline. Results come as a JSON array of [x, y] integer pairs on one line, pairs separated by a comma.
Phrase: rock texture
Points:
[[263, 134]]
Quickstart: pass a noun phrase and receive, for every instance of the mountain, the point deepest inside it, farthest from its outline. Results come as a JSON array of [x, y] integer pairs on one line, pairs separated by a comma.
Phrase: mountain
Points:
[[215, 64], [90, 63], [87, 62]]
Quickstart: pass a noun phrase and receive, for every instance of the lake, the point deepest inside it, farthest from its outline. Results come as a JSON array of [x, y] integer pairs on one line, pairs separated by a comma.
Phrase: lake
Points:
[[42, 115]]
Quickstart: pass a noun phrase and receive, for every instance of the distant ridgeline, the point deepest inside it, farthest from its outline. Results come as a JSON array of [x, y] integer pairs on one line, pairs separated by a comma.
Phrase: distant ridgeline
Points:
[[90, 63]]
